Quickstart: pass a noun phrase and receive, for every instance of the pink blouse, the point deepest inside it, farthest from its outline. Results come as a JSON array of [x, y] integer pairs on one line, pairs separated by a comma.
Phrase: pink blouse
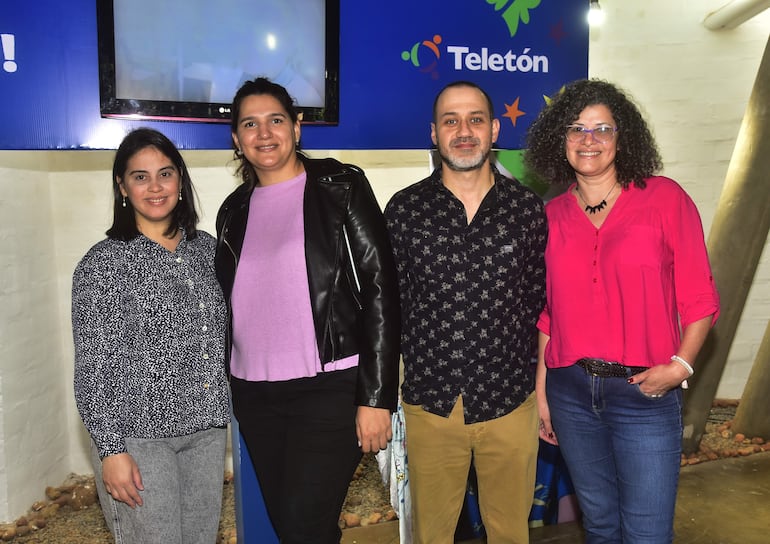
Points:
[[624, 291]]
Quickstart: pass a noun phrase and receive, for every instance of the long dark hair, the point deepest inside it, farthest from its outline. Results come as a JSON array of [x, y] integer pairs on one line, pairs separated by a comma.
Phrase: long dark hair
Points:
[[258, 86], [637, 154], [124, 220]]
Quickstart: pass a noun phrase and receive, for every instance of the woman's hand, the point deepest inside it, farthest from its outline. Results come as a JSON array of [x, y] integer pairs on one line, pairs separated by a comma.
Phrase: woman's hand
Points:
[[660, 379], [373, 428], [122, 479], [545, 429], [656, 381]]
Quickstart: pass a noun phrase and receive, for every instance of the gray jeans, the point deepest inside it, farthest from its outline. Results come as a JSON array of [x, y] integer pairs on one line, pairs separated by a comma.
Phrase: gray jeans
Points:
[[182, 477]]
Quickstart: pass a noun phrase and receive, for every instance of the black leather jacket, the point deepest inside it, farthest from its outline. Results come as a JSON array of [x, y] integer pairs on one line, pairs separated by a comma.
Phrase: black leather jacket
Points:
[[351, 273]]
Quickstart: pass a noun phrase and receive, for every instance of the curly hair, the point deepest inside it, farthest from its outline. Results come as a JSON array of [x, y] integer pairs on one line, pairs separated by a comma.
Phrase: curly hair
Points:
[[637, 154]]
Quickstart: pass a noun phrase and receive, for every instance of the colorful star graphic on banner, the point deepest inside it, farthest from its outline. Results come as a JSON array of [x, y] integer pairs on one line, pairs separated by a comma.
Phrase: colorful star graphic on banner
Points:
[[513, 112]]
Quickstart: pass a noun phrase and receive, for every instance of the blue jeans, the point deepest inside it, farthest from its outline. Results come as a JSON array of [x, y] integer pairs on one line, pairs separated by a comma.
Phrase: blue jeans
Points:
[[622, 449]]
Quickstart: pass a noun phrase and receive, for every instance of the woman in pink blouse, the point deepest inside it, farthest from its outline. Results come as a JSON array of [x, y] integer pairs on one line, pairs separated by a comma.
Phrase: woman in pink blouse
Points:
[[630, 300]]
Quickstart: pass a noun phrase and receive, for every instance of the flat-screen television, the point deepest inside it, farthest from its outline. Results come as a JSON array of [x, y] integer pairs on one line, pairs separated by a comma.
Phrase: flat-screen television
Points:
[[183, 60]]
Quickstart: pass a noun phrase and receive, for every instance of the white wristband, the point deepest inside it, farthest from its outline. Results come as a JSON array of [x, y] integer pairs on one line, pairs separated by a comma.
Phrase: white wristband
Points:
[[684, 363], [686, 366]]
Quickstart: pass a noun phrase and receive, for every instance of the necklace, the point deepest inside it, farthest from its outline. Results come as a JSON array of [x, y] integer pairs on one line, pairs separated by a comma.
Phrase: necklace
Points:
[[600, 206]]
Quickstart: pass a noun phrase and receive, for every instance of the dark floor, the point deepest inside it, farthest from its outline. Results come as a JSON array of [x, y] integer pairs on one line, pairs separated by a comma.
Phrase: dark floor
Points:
[[719, 502]]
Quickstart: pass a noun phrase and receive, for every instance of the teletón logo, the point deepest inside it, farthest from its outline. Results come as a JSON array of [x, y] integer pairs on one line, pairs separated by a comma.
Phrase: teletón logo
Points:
[[413, 55], [426, 54]]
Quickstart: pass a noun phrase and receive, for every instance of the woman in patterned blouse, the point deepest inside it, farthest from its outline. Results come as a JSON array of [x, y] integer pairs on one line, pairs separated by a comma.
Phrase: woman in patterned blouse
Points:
[[148, 320]]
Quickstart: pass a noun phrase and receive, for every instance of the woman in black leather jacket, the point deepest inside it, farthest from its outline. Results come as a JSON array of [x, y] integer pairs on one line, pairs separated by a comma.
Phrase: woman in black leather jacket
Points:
[[305, 263]]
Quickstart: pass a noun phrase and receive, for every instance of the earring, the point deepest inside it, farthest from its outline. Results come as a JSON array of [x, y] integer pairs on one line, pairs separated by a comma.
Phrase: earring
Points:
[[124, 202], [180, 195]]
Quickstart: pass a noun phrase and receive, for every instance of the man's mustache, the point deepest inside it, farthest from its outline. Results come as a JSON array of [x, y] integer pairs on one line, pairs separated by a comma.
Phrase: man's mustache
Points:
[[465, 140]]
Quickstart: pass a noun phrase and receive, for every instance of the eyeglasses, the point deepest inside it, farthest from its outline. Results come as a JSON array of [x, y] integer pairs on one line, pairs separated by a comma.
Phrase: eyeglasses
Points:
[[603, 133]]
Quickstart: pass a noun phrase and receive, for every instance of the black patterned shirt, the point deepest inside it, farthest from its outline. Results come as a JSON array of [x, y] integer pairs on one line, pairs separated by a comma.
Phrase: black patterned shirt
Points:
[[470, 295], [149, 331]]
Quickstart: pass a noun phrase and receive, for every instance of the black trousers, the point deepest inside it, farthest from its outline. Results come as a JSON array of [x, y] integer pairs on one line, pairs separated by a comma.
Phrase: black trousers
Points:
[[301, 437]]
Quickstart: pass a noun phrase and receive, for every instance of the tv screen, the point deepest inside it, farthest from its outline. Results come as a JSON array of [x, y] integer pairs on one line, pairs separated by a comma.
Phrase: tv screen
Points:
[[184, 60]]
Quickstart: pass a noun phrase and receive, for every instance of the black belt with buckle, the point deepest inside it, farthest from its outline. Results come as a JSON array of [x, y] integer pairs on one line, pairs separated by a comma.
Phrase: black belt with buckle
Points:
[[608, 369]]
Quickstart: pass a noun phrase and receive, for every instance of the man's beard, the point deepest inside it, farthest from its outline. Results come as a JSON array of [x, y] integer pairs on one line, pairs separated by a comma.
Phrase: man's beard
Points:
[[465, 164]]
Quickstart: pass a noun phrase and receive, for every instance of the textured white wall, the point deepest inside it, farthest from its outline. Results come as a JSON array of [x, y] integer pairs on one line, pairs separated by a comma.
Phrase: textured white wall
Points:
[[33, 442], [692, 83]]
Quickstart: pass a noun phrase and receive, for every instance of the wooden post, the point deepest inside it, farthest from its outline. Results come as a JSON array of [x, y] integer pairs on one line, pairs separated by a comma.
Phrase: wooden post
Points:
[[735, 244], [752, 418]]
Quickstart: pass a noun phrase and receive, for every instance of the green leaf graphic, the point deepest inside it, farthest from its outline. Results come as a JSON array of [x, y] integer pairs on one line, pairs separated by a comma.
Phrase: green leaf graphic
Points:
[[518, 10]]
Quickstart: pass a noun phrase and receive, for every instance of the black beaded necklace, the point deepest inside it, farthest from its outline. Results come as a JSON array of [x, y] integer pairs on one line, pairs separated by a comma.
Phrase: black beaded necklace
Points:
[[600, 206]]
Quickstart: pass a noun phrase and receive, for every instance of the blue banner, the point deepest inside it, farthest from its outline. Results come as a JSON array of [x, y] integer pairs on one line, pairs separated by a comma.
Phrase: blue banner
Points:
[[394, 57]]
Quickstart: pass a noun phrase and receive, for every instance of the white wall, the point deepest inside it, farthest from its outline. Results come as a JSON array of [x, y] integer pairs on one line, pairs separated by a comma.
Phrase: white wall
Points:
[[34, 448], [693, 83]]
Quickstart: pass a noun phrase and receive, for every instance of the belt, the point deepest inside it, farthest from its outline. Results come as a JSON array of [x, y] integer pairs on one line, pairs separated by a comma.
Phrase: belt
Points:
[[608, 369]]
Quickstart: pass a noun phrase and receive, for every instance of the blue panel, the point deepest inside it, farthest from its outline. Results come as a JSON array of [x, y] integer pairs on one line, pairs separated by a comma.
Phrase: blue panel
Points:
[[394, 57], [253, 524], [386, 99]]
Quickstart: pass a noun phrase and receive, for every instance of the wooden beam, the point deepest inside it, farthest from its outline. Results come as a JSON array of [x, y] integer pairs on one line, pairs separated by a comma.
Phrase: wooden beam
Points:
[[737, 238], [752, 418]]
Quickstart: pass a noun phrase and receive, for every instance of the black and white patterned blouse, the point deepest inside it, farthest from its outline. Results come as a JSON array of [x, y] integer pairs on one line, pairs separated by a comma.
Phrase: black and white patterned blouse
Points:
[[149, 331], [470, 295]]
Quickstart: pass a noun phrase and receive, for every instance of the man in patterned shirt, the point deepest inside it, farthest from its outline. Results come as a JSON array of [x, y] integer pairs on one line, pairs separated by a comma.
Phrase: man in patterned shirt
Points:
[[469, 246]]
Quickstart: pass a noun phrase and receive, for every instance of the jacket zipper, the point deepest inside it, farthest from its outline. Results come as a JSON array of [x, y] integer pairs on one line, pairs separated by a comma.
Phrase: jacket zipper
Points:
[[355, 292], [223, 240], [235, 257]]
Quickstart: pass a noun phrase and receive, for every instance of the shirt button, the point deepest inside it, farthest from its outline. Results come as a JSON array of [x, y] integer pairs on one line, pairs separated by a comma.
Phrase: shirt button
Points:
[[179, 259], [204, 328], [201, 305], [206, 386], [190, 283], [205, 355]]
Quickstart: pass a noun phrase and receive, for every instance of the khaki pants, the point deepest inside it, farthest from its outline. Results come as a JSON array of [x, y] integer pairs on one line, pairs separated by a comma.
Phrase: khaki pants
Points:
[[504, 453]]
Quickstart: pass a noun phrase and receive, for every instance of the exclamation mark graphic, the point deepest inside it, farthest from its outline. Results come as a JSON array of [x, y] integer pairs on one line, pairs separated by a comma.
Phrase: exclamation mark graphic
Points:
[[9, 52]]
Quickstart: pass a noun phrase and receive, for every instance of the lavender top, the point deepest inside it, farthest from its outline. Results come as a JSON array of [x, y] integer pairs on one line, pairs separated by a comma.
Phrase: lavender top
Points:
[[273, 333]]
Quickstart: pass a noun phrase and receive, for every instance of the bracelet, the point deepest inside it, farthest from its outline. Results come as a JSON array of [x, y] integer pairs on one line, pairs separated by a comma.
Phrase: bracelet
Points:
[[684, 363], [687, 366]]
